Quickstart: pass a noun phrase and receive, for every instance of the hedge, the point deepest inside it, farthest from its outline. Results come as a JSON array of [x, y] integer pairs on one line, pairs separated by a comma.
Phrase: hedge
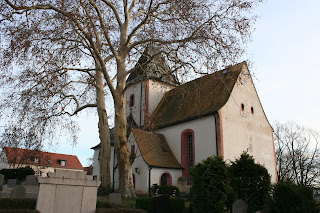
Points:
[[9, 203], [166, 189], [19, 173], [147, 204], [102, 204], [120, 210]]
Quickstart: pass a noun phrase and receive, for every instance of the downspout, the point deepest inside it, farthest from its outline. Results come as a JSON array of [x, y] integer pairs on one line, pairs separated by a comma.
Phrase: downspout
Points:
[[113, 167], [217, 129], [149, 181]]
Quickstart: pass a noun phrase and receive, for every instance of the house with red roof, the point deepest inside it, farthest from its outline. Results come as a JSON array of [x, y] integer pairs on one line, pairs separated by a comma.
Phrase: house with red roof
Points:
[[172, 127], [41, 162]]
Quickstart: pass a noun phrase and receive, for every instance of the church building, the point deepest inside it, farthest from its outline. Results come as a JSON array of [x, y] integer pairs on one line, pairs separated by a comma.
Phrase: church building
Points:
[[173, 127]]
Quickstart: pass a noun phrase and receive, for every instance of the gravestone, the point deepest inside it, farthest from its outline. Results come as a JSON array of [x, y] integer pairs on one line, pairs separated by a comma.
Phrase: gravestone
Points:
[[115, 198], [239, 206], [1, 181], [182, 185], [31, 180], [162, 204], [12, 183], [18, 192]]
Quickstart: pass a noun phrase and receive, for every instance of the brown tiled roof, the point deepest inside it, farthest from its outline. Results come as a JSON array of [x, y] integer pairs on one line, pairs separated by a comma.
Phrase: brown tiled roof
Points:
[[195, 99], [155, 150], [25, 156]]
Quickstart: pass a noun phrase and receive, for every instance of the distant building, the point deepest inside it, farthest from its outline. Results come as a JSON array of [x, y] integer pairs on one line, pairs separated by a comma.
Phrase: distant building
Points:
[[173, 127], [40, 162]]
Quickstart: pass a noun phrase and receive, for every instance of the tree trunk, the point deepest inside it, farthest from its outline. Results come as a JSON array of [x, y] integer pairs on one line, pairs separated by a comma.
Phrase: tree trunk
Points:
[[104, 132], [123, 155]]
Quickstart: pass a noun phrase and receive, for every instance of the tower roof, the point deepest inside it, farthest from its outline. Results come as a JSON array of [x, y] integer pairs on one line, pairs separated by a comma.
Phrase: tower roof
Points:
[[156, 69]]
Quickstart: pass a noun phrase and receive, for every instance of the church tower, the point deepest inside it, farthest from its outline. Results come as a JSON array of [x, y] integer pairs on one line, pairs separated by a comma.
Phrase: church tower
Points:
[[147, 85]]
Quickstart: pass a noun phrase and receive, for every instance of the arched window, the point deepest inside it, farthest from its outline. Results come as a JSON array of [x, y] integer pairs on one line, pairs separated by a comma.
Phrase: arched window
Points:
[[131, 101], [165, 179], [187, 153]]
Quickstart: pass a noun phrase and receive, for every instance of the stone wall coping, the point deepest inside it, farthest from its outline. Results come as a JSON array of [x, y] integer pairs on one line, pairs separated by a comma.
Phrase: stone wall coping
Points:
[[69, 181]]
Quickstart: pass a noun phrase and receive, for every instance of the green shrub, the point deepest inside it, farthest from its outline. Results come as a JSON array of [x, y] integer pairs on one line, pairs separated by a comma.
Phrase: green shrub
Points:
[[18, 211], [120, 210], [211, 185], [19, 173], [291, 198], [103, 191], [177, 205], [9, 203], [103, 204], [166, 189], [250, 182], [145, 203]]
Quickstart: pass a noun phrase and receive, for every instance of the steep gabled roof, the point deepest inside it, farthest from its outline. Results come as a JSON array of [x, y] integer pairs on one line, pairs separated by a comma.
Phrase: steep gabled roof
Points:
[[155, 150], [25, 156], [156, 69], [195, 99]]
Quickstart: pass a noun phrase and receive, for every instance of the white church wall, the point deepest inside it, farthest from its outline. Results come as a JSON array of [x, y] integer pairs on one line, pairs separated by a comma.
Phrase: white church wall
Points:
[[157, 172], [96, 165], [246, 130], [138, 110], [157, 90], [142, 174], [113, 161], [204, 137]]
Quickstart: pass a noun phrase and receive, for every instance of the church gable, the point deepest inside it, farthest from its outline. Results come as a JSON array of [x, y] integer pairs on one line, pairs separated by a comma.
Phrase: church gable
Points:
[[201, 97]]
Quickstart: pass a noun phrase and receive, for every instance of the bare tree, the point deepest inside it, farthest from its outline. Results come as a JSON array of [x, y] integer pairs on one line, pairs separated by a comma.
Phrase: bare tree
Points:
[[297, 153], [69, 50]]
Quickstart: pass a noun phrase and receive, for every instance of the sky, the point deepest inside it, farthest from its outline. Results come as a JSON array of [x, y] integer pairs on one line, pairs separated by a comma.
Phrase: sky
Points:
[[285, 52]]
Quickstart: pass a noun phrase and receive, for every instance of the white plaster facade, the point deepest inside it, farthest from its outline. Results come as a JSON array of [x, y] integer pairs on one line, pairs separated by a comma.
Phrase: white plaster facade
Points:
[[147, 95], [204, 137], [246, 130]]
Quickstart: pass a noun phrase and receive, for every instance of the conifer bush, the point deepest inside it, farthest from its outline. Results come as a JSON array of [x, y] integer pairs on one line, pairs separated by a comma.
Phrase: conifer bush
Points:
[[211, 186]]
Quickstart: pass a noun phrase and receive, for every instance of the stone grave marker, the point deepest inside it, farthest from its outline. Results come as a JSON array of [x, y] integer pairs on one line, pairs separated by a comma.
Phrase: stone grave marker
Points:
[[239, 206], [115, 198], [12, 183], [18, 192], [31, 180], [1, 181], [182, 185]]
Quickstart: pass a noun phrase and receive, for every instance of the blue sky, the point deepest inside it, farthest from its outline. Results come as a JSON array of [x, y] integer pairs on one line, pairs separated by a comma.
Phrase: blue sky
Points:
[[285, 51]]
